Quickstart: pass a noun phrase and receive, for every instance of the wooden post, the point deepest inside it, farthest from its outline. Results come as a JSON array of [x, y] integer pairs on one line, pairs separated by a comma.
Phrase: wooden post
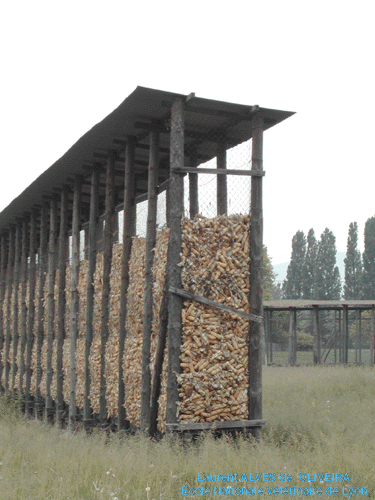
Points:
[[270, 335], [335, 341], [51, 305], [2, 297], [256, 277], [340, 338], [193, 186], [128, 228], [74, 298], [222, 191], [23, 277], [107, 257], [9, 286], [42, 268], [148, 295], [61, 332], [356, 336], [316, 331], [345, 334], [292, 358], [91, 254], [31, 311], [372, 350], [16, 273], [175, 210]]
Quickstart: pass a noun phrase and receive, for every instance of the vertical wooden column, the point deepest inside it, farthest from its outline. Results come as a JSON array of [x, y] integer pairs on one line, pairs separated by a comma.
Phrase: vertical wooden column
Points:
[[193, 187], [316, 336], [61, 331], [9, 286], [222, 190], [107, 257], [74, 298], [356, 336], [256, 277], [2, 297], [23, 326], [91, 254], [42, 268], [147, 294], [270, 335], [345, 334], [340, 337], [175, 210], [51, 304], [360, 336], [292, 357], [128, 228], [335, 340], [31, 311], [16, 273], [372, 345]]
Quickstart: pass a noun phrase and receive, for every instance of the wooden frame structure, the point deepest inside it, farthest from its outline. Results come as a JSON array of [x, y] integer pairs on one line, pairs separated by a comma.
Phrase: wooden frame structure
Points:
[[148, 144]]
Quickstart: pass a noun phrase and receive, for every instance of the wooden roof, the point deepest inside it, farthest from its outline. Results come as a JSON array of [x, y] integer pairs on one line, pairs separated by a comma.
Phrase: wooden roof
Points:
[[143, 110]]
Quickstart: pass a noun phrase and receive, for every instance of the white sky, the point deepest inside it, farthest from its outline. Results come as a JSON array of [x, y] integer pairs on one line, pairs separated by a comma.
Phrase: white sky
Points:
[[66, 65]]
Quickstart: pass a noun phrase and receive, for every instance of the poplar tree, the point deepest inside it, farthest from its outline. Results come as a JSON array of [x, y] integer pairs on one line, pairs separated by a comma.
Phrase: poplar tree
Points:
[[353, 265], [327, 275], [368, 276], [292, 286], [309, 267]]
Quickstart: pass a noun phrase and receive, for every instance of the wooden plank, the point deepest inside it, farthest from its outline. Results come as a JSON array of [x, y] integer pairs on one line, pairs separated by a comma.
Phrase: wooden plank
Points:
[[31, 310], [61, 328], [42, 268], [345, 334], [205, 426], [16, 277], [74, 298], [51, 303], [147, 294], [222, 190], [316, 335], [91, 255], [23, 316], [216, 305], [256, 276], [217, 171], [175, 211], [107, 259], [128, 228]]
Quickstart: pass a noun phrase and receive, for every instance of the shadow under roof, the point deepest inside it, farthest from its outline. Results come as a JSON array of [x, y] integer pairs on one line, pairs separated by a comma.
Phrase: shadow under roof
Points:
[[142, 110]]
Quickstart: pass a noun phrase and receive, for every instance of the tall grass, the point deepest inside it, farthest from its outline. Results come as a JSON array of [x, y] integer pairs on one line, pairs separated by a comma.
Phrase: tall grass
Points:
[[319, 419]]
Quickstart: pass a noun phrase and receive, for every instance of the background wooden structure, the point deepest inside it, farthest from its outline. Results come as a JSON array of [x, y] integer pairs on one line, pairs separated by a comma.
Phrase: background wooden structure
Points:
[[146, 145]]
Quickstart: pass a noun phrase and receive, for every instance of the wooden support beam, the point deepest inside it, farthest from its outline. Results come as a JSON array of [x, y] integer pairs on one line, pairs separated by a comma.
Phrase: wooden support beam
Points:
[[42, 268], [372, 345], [175, 211], [147, 294], [316, 336], [292, 356], [31, 310], [9, 286], [256, 276], [61, 329], [193, 186], [91, 255], [107, 258], [216, 305], [222, 190], [2, 297], [23, 316], [271, 335], [345, 334], [74, 299], [128, 229], [51, 304], [16, 277]]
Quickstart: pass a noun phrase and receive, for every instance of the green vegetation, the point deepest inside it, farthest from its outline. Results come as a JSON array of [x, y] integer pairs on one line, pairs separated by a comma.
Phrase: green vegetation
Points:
[[319, 419]]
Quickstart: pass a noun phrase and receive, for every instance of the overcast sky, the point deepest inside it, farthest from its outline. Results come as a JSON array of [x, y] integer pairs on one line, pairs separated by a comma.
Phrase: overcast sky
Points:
[[66, 65]]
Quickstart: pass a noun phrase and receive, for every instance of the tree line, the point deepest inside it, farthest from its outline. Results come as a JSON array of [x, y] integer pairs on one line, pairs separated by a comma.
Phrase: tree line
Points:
[[313, 274]]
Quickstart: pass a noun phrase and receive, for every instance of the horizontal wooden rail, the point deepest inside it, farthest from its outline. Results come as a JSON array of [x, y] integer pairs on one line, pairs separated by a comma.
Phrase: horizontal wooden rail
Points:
[[218, 171], [205, 426], [216, 305]]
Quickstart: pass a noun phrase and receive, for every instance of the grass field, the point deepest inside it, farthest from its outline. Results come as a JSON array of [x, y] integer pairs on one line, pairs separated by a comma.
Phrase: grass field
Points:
[[319, 420]]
